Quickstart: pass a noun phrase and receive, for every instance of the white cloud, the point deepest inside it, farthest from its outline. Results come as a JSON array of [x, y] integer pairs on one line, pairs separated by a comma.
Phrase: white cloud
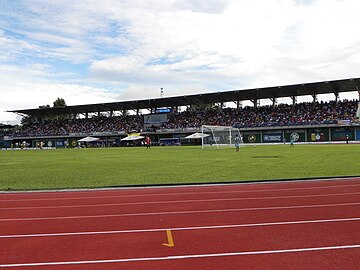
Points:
[[32, 95], [184, 46], [29, 87]]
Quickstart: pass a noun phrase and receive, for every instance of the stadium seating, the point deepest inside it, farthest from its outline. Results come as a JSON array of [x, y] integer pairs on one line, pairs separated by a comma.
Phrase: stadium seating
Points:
[[314, 113], [318, 113]]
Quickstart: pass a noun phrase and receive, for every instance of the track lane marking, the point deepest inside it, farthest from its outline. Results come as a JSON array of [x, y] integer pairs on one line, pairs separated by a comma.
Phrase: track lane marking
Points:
[[170, 240], [343, 180], [178, 201], [184, 186], [175, 193], [189, 256], [181, 212], [211, 227]]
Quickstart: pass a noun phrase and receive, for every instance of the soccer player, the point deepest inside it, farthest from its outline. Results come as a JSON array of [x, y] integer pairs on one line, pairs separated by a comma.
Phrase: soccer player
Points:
[[291, 142], [147, 141], [237, 142]]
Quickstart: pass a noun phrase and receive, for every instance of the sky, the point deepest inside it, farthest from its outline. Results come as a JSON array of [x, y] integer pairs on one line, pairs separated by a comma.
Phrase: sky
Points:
[[92, 51]]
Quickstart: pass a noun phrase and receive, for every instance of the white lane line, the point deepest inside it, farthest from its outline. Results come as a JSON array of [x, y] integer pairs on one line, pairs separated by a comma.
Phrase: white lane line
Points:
[[182, 212], [178, 187], [179, 201], [190, 256], [184, 186], [279, 223], [175, 193]]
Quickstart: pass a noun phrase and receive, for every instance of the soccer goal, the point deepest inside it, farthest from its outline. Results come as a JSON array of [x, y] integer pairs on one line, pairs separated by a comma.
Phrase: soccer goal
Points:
[[219, 136]]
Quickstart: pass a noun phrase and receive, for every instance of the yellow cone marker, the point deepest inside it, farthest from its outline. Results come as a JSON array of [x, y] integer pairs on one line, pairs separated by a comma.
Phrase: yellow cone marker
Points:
[[170, 239]]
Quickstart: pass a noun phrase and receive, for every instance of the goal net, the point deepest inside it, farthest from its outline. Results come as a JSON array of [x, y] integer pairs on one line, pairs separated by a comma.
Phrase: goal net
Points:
[[219, 136]]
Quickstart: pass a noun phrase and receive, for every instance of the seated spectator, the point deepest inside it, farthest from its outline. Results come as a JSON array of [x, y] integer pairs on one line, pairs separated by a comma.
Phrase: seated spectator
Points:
[[311, 113]]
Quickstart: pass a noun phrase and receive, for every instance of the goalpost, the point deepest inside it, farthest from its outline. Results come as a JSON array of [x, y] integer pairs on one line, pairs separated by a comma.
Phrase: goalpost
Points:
[[219, 136]]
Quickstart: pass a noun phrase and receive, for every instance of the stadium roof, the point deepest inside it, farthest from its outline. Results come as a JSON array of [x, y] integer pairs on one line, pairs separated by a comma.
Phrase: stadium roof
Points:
[[3, 126], [325, 87]]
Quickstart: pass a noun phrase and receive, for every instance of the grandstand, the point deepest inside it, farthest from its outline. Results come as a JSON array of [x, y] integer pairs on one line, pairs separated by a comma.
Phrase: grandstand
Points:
[[5, 129], [307, 122]]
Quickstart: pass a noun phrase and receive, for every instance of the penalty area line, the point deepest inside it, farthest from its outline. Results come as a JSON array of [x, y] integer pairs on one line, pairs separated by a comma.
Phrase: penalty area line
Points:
[[179, 257]]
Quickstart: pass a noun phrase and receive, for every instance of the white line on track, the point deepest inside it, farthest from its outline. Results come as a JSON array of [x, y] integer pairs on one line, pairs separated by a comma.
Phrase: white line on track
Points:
[[279, 223], [179, 257], [179, 201], [175, 193], [184, 186], [182, 212]]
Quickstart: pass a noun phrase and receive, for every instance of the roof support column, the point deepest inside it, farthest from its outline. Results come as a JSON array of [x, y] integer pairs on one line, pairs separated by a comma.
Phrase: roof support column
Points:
[[336, 97], [274, 101], [256, 102], [239, 104], [294, 100], [314, 96], [357, 89]]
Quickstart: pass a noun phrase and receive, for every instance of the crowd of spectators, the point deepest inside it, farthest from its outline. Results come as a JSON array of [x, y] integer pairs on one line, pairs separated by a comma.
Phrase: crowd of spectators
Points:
[[80, 126], [314, 113]]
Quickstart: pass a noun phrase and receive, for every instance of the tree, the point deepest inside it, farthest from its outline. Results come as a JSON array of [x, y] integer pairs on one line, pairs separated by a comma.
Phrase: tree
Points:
[[59, 102]]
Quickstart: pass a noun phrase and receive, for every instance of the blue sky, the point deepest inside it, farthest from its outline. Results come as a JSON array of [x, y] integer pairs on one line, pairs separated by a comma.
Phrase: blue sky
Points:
[[93, 51]]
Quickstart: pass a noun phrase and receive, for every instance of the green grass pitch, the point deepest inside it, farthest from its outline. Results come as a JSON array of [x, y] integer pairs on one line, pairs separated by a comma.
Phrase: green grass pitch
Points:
[[107, 167]]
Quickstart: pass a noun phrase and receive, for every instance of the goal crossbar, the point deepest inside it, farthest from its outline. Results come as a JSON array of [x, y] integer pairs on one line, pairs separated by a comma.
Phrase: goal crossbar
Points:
[[219, 136]]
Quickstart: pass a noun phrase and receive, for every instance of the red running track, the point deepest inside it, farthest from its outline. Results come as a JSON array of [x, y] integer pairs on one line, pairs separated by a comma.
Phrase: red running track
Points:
[[285, 225]]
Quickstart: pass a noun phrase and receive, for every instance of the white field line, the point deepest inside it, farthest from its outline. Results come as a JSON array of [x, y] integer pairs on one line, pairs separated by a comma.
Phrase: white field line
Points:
[[175, 193], [211, 227], [190, 256], [182, 212], [180, 201]]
